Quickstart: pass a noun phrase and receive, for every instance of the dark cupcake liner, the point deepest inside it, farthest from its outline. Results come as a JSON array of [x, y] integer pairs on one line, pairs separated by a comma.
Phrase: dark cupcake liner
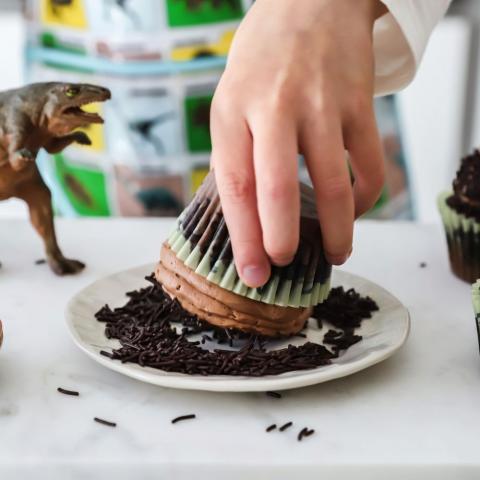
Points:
[[200, 239], [463, 240]]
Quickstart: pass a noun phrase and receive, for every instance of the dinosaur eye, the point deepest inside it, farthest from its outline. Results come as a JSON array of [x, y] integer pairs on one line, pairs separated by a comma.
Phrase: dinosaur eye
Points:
[[72, 91]]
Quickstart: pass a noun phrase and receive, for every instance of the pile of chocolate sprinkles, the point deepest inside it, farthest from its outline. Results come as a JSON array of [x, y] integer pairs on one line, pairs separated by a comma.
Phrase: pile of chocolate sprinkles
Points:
[[345, 310], [155, 331]]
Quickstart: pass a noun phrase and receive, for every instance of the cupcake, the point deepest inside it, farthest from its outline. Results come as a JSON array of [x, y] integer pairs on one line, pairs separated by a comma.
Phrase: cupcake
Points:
[[476, 306], [460, 213], [196, 267]]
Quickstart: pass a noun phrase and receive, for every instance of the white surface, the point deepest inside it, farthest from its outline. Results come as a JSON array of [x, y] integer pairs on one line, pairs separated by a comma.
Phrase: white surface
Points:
[[432, 111], [413, 416], [383, 335]]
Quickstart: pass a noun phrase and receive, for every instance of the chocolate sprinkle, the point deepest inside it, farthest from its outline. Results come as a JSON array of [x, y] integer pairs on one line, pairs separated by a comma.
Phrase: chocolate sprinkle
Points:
[[345, 309], [184, 417], [305, 432], [154, 331], [40, 261], [271, 427], [273, 394], [68, 392], [105, 422], [423, 264], [302, 433], [284, 427], [341, 340]]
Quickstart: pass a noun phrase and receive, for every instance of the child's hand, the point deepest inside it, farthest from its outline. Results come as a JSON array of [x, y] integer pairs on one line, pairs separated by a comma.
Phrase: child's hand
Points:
[[299, 78]]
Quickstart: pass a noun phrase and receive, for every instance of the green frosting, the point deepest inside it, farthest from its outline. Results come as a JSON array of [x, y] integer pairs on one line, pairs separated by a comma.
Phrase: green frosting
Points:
[[453, 220], [476, 297]]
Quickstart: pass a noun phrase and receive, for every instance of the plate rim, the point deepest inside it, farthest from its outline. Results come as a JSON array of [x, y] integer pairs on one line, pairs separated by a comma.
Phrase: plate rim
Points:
[[219, 383]]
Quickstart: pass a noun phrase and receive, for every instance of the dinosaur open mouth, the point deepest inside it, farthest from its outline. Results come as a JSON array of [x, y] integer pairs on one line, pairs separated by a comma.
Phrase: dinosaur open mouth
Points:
[[78, 112]]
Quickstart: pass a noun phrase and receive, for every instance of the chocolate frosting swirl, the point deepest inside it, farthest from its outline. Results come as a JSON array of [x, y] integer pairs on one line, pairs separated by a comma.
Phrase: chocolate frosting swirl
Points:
[[466, 187]]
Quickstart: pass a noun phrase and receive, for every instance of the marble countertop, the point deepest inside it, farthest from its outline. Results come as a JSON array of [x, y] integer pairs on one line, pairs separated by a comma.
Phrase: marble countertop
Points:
[[416, 415]]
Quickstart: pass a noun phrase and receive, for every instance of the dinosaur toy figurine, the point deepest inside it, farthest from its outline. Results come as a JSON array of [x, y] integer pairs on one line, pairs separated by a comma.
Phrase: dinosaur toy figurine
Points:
[[42, 115]]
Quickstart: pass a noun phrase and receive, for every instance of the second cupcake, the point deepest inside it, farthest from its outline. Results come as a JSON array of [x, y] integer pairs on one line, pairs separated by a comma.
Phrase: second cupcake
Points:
[[460, 211]]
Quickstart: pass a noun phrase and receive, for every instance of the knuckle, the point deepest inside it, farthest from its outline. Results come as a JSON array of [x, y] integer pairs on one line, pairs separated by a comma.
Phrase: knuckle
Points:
[[335, 188], [359, 104], [225, 100], [220, 105], [374, 186], [236, 188], [282, 96], [279, 189]]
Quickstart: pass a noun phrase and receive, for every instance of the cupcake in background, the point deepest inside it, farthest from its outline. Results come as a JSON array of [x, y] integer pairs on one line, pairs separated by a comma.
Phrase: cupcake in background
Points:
[[460, 213], [476, 306]]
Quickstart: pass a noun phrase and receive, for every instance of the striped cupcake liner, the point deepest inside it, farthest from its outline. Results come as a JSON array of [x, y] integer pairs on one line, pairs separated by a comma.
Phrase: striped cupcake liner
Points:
[[476, 306], [463, 240], [200, 240]]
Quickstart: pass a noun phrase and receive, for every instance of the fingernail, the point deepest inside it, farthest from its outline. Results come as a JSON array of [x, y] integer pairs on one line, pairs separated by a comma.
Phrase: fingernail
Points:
[[281, 262], [254, 275], [339, 259]]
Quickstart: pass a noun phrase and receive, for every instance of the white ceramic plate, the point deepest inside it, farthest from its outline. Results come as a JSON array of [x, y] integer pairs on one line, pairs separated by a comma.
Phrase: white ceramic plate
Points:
[[383, 335]]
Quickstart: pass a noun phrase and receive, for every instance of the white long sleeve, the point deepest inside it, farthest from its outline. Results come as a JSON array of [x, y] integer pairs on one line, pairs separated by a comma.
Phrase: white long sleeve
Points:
[[400, 38]]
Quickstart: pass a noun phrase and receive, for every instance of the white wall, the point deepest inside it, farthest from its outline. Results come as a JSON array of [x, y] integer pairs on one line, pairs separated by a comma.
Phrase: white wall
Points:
[[11, 57], [433, 113]]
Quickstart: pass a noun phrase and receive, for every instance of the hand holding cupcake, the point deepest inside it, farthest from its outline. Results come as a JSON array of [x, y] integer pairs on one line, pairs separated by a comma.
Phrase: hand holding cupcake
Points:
[[197, 268]]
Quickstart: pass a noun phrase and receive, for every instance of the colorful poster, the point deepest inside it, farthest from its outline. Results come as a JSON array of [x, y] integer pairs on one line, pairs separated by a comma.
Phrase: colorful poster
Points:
[[85, 187], [162, 60], [199, 172], [64, 13], [144, 193], [183, 13], [197, 114]]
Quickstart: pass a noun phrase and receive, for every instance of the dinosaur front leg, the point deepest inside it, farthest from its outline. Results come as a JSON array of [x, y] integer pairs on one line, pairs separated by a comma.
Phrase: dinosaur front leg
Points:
[[17, 127], [18, 155], [57, 144], [21, 158], [38, 199]]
